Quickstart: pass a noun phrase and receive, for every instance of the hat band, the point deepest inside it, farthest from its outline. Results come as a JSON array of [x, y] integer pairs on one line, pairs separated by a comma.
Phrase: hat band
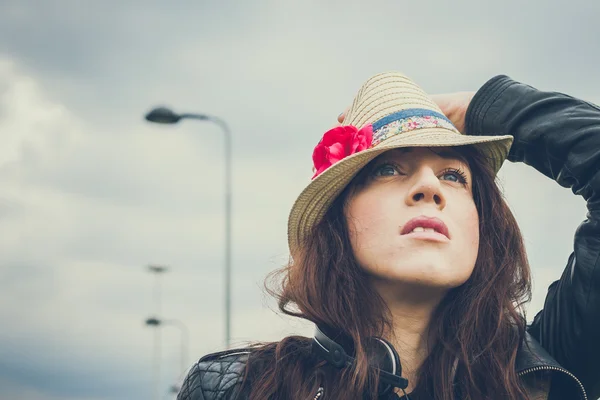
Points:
[[406, 121]]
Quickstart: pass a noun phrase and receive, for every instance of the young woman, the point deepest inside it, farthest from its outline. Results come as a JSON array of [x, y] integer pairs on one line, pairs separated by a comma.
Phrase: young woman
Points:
[[412, 267]]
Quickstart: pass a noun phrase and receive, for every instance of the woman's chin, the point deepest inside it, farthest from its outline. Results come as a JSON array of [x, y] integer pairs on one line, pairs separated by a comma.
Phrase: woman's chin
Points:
[[426, 275]]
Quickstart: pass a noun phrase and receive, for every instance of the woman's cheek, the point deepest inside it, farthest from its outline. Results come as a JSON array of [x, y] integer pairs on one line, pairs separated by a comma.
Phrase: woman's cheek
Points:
[[472, 234]]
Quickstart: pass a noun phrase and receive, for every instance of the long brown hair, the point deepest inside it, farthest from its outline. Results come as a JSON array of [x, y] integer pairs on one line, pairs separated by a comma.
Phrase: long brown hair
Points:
[[478, 326]]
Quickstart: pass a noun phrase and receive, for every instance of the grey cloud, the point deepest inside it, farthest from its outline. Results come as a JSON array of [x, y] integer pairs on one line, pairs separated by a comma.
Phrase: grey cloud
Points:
[[78, 382], [68, 37], [262, 43]]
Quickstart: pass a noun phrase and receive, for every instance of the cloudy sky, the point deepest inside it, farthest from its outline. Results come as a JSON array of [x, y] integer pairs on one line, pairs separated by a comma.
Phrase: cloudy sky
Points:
[[90, 193]]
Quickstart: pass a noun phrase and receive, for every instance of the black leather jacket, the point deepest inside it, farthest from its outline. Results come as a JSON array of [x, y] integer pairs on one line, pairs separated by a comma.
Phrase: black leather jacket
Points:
[[560, 137]]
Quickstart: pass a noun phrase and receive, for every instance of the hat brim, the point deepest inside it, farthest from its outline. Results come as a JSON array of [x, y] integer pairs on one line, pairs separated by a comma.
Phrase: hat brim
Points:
[[314, 201]]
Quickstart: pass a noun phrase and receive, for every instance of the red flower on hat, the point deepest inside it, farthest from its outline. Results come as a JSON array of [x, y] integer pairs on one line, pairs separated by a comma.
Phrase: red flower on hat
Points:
[[338, 143]]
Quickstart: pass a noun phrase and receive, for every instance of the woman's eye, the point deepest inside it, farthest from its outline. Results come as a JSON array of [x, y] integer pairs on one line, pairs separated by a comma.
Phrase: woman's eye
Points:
[[455, 175], [385, 170]]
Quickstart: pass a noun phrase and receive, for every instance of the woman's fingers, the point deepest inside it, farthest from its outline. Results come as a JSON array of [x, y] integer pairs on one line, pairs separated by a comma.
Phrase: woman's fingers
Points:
[[342, 116]]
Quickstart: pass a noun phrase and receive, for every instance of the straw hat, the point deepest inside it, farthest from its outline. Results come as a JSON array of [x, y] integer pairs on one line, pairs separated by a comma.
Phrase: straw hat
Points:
[[389, 112]]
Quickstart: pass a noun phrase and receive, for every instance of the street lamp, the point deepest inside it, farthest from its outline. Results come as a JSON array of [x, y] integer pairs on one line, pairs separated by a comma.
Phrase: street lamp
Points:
[[157, 270], [184, 335], [163, 115]]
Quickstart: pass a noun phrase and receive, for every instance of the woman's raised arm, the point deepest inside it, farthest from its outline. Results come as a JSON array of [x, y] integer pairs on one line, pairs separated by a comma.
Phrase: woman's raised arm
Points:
[[559, 136]]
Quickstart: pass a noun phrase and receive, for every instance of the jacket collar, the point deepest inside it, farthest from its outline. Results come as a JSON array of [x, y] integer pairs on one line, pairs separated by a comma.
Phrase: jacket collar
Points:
[[531, 354]]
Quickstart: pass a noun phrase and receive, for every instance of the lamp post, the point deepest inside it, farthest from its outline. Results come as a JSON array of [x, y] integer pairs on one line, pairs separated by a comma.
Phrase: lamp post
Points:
[[184, 335], [158, 270], [163, 115]]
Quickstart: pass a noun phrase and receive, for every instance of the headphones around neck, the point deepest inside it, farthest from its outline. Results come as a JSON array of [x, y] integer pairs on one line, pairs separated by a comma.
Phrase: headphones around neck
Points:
[[385, 357]]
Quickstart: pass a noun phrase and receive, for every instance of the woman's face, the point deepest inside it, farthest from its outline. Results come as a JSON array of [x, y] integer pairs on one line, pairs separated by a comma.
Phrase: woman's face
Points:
[[414, 221]]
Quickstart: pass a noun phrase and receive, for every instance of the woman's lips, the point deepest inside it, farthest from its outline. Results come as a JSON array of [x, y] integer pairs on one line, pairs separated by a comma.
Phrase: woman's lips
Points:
[[422, 221]]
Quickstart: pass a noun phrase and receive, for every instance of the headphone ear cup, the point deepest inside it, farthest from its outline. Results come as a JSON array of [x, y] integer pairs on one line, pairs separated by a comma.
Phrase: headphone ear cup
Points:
[[384, 357], [381, 354], [396, 368]]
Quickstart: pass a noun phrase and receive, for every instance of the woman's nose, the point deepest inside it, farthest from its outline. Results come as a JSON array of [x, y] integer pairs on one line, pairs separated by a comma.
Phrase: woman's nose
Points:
[[426, 189]]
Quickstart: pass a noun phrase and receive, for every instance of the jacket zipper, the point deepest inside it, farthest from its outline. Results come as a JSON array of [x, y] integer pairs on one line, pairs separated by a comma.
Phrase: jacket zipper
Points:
[[319, 394], [549, 368]]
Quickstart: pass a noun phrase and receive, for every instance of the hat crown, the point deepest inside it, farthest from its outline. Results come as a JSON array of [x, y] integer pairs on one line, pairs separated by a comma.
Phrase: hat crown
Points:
[[385, 94]]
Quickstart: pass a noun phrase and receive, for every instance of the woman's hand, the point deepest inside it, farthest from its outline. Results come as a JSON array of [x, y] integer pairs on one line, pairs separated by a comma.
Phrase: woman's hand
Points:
[[453, 105]]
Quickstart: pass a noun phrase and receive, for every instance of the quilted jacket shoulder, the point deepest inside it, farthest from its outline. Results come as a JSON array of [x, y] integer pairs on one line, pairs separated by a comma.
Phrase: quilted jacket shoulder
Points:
[[216, 376]]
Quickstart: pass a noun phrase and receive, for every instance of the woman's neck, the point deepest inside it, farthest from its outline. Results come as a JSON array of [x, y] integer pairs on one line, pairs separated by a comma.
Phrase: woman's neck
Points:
[[411, 310]]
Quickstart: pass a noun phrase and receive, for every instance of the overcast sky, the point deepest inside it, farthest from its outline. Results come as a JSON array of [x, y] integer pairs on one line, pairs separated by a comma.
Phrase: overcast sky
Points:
[[90, 193]]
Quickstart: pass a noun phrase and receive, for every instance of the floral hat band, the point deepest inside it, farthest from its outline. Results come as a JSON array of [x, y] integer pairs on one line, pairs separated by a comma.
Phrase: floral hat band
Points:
[[343, 141]]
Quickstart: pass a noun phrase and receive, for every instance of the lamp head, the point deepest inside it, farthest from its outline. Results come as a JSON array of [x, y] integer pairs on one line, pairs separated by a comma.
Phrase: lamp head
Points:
[[157, 268], [163, 115], [153, 321]]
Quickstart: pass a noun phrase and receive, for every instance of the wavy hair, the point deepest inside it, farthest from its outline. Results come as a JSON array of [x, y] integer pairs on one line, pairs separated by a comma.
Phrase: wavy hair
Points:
[[478, 326]]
